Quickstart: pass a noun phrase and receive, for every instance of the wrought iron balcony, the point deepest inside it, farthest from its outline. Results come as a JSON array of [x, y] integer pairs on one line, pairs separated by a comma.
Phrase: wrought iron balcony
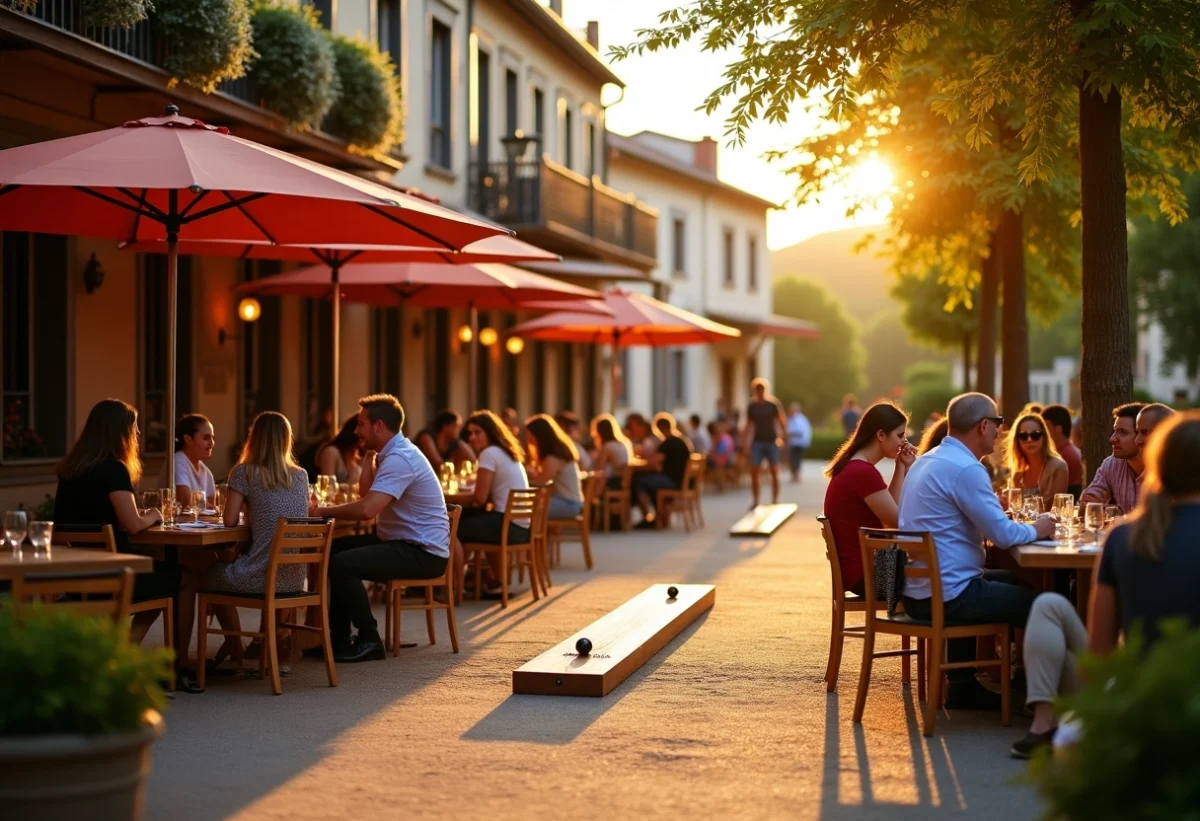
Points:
[[565, 211]]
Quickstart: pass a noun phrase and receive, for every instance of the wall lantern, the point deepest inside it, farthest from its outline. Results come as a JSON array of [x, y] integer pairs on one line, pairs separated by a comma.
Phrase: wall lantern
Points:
[[249, 309], [515, 345], [487, 337], [93, 274], [464, 334]]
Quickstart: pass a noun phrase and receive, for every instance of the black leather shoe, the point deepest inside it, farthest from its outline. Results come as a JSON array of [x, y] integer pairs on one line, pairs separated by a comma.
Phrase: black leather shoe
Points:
[[369, 650]]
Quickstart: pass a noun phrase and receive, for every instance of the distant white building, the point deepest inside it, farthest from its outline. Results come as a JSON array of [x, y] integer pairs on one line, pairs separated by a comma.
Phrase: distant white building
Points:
[[1166, 383]]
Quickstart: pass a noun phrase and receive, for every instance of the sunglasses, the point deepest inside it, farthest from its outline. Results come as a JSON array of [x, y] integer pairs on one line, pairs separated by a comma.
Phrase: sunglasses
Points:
[[999, 420], [1032, 435]]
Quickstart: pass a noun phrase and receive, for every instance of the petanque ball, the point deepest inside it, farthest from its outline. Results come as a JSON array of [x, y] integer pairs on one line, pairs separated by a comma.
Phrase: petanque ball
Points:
[[584, 646], [672, 591]]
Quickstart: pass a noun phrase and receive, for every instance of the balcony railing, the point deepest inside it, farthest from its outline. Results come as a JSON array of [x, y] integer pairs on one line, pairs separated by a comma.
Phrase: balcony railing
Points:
[[138, 42], [540, 192]]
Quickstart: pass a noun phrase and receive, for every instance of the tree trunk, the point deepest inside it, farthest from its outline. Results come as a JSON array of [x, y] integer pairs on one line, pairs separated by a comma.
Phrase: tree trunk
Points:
[[1106, 373], [966, 356], [1010, 244], [985, 373]]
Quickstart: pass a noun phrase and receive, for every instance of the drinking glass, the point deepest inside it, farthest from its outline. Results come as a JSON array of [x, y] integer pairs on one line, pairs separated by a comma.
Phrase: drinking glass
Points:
[[199, 504], [312, 494], [1111, 514], [326, 487], [151, 500], [343, 493], [1033, 507], [1064, 511], [167, 497], [16, 523], [1093, 518], [39, 536], [220, 493], [1015, 498]]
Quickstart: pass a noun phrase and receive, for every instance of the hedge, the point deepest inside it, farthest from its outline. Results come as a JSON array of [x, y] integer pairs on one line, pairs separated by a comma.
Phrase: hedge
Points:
[[206, 41], [368, 114], [294, 74]]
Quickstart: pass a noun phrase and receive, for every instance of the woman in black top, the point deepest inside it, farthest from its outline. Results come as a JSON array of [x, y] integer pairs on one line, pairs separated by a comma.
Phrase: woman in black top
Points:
[[96, 484]]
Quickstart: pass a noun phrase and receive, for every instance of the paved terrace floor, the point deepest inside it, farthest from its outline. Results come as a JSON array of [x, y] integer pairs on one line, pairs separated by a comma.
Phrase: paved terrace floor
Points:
[[730, 720]]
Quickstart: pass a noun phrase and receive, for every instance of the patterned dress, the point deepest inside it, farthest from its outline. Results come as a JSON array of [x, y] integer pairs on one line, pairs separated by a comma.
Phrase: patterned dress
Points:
[[247, 573]]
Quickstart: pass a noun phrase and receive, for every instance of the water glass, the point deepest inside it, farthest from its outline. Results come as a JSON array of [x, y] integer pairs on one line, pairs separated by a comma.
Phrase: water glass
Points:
[[220, 494], [1033, 507], [1093, 518], [1016, 497], [166, 496], [1111, 514], [16, 523], [151, 500], [40, 534], [1064, 511]]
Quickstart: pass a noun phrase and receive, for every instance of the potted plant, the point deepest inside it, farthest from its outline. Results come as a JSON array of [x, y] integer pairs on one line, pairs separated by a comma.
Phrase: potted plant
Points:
[[204, 41], [368, 113], [80, 711], [1136, 719], [294, 73]]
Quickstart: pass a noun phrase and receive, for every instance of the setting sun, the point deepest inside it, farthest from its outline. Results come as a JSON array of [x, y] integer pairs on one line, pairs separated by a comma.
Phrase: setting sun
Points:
[[871, 179]]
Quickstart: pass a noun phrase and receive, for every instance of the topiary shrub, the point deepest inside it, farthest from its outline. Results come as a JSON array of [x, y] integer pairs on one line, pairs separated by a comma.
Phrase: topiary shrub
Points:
[[205, 41], [368, 114], [114, 13], [294, 72]]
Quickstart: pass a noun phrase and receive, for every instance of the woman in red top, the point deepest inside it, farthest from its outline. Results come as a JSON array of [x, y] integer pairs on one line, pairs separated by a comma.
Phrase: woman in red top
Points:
[[857, 495]]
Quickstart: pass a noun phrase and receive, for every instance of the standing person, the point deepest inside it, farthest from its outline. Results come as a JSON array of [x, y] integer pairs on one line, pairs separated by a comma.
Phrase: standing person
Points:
[[799, 433], [1119, 477], [1148, 570], [948, 494], [412, 529], [341, 456], [850, 413], [557, 462], [194, 442], [441, 442], [857, 495], [672, 458], [701, 441], [1033, 463], [1059, 424], [765, 426]]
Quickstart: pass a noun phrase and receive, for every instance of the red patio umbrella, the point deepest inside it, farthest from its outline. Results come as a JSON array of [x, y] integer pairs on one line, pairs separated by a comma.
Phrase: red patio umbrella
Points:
[[632, 320], [173, 178], [485, 286]]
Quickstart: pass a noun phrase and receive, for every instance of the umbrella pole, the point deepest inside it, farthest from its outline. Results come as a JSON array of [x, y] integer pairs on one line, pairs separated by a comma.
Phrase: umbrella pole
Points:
[[612, 374], [473, 360], [172, 332], [335, 275]]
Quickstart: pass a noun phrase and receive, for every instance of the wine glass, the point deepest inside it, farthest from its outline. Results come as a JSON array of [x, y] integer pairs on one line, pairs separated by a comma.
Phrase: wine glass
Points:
[[1033, 507], [1015, 497], [151, 500], [1111, 514], [1093, 518], [39, 536], [16, 523], [1064, 511], [199, 504], [167, 497], [220, 494]]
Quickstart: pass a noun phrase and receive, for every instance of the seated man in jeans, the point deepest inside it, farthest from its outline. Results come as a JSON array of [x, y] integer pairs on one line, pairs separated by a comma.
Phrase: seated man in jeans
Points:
[[412, 529], [948, 494], [673, 454]]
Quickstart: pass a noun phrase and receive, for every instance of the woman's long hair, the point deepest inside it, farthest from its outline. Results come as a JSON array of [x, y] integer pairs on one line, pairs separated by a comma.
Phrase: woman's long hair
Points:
[[882, 416], [109, 433], [550, 439], [188, 425], [605, 428], [1171, 458], [347, 439], [267, 453], [498, 434], [1015, 457], [933, 436]]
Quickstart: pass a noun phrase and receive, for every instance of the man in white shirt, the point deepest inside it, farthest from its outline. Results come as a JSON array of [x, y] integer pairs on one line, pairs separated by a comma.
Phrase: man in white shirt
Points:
[[412, 529], [948, 493], [799, 436]]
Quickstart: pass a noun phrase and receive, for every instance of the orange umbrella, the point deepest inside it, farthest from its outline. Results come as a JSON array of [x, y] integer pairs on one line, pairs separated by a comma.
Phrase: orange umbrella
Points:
[[632, 320]]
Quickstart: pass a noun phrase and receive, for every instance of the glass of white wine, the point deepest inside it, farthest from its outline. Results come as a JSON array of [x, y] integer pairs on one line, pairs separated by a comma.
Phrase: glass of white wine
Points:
[[1064, 511], [16, 524], [40, 534], [220, 493]]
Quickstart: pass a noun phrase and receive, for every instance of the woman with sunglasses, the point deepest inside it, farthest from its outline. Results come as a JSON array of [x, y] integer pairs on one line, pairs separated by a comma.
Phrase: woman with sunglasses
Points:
[[1033, 462]]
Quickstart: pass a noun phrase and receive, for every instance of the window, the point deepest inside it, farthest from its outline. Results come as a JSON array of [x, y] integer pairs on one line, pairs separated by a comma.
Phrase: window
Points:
[[568, 136], [483, 105], [678, 246], [678, 377], [440, 94], [319, 414], [261, 349], [325, 9], [727, 256], [511, 121], [752, 264], [589, 148], [152, 410], [539, 114], [388, 348], [387, 16], [35, 330]]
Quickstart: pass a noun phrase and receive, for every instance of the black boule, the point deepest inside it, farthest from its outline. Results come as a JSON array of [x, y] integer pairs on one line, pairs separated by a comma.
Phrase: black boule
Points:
[[584, 646], [672, 591]]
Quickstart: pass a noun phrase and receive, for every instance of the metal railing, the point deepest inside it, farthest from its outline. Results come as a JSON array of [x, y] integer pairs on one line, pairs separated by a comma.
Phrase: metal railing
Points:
[[538, 192]]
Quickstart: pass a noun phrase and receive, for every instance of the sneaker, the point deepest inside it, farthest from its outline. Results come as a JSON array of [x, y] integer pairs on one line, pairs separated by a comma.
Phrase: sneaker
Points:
[[1032, 742], [971, 695]]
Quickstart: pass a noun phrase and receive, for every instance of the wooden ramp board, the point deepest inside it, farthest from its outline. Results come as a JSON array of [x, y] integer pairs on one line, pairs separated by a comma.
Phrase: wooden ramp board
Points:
[[622, 641], [763, 520]]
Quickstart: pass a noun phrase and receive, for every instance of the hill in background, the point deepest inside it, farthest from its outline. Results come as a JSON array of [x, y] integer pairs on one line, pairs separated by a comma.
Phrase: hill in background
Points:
[[860, 280]]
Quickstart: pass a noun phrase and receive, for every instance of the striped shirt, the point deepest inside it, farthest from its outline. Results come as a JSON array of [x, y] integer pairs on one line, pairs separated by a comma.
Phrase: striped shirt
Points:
[[1114, 482]]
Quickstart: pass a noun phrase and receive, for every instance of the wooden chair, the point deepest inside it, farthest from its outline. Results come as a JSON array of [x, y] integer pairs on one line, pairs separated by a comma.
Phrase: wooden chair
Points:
[[521, 504], [581, 524], [115, 585], [841, 604], [297, 541], [394, 592], [618, 502], [931, 635], [686, 497], [101, 537]]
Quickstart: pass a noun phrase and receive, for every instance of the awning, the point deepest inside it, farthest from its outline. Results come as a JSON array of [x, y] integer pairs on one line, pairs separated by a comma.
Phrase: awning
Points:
[[587, 269], [770, 325]]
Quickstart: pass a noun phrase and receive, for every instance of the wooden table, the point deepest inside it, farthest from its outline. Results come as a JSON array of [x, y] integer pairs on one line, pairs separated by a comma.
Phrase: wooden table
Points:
[[175, 537], [69, 560], [1061, 557]]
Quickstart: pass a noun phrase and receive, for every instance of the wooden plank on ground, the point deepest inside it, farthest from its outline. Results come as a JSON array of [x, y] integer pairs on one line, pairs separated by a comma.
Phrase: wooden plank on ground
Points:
[[622, 641], [763, 520]]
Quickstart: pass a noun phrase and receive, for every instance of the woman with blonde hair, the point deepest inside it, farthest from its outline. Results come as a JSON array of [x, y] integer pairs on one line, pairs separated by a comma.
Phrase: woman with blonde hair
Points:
[[1032, 461]]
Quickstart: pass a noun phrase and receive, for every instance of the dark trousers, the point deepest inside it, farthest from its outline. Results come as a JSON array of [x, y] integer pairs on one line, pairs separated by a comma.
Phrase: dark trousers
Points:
[[365, 558], [996, 597], [795, 457]]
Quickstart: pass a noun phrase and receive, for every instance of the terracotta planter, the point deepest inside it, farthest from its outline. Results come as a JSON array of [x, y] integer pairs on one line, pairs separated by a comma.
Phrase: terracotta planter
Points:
[[69, 777]]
